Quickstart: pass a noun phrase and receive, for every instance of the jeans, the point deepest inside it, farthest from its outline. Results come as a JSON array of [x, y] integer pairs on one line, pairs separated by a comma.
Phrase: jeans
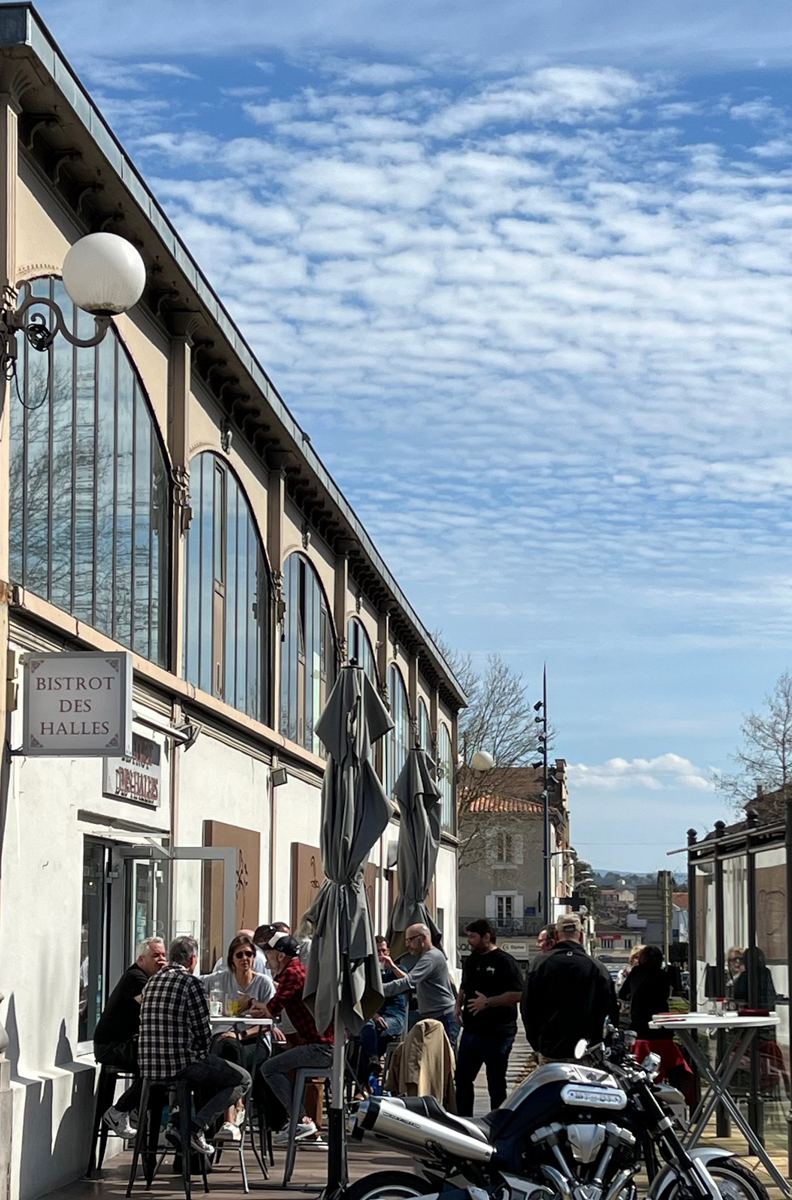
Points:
[[451, 1028], [277, 1070], [217, 1084], [477, 1050], [374, 1039], [124, 1055]]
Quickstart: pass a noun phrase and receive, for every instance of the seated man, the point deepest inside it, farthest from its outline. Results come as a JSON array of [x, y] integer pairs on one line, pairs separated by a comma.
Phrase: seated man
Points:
[[175, 1036], [312, 1048], [116, 1035], [389, 1022]]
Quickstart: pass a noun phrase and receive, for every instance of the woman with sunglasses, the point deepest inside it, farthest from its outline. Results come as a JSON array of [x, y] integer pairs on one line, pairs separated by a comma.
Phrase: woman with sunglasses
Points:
[[240, 985]]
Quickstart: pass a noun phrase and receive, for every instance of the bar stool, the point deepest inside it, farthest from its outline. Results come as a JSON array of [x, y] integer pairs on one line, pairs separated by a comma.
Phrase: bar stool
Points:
[[302, 1077], [152, 1103], [105, 1094]]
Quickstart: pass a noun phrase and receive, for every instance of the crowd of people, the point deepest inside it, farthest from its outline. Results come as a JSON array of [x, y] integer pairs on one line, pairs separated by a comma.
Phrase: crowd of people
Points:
[[165, 1023]]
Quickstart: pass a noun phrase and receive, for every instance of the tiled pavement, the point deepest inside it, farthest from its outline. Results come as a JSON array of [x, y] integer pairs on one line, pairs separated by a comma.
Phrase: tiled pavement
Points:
[[311, 1166]]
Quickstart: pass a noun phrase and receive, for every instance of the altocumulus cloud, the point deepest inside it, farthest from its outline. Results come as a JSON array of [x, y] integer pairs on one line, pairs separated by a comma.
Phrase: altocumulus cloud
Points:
[[669, 771]]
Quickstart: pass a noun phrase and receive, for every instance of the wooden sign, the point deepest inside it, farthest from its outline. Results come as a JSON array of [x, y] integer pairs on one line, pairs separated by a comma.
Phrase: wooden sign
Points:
[[307, 878], [247, 843]]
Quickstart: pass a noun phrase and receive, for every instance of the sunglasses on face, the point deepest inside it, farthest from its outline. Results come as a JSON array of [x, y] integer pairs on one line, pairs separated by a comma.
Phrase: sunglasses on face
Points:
[[243, 954]]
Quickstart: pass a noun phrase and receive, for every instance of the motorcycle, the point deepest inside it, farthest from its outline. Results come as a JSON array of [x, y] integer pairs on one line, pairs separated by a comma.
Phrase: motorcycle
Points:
[[568, 1132]]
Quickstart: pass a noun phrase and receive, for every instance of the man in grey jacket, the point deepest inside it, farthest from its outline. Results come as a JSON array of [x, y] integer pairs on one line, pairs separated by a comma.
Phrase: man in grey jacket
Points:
[[429, 980]]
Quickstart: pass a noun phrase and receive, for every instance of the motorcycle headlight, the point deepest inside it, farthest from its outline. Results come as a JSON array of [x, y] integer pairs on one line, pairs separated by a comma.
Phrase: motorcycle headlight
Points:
[[651, 1065]]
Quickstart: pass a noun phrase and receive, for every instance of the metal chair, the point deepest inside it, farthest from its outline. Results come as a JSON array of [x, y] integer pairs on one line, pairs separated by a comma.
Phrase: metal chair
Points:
[[302, 1077], [105, 1094], [152, 1103]]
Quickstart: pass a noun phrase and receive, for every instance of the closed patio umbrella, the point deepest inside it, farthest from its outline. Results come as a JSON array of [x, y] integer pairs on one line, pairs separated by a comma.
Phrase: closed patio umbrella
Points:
[[343, 982], [418, 797]]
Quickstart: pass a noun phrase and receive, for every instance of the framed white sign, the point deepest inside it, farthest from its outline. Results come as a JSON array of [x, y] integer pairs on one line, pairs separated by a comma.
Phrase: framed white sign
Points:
[[136, 776], [78, 705]]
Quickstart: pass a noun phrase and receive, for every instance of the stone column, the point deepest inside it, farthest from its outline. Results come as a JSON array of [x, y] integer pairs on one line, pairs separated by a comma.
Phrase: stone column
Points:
[[9, 113]]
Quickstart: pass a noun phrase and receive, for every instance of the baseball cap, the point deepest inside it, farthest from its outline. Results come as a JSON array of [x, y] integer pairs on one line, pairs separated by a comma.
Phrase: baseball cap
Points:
[[284, 943], [569, 923]]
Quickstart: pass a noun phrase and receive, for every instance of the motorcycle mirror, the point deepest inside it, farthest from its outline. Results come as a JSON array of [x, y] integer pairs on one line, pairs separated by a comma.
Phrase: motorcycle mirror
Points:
[[580, 1049]]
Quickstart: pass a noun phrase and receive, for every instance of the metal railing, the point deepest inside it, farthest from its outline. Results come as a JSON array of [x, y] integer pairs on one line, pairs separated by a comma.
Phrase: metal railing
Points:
[[526, 927]]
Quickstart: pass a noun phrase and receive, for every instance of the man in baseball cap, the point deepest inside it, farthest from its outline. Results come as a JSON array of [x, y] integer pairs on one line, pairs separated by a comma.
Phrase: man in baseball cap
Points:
[[568, 995], [308, 1047]]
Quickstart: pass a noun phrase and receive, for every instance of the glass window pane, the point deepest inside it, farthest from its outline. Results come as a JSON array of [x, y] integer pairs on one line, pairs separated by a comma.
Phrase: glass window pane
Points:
[[142, 540], [93, 938], [105, 479], [206, 519], [232, 630], [76, 478]]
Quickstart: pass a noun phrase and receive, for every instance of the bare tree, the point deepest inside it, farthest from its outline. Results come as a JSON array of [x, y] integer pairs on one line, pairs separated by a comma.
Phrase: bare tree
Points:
[[764, 758], [500, 718]]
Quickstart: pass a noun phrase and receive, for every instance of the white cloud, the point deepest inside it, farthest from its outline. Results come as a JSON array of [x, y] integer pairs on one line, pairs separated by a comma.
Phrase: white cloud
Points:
[[653, 774]]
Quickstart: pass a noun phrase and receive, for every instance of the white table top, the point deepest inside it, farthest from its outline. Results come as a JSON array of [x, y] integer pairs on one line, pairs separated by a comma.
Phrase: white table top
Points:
[[250, 1022], [697, 1020]]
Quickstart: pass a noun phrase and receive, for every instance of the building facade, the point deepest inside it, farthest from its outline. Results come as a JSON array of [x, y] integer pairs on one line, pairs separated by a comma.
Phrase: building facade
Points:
[[156, 496], [501, 872]]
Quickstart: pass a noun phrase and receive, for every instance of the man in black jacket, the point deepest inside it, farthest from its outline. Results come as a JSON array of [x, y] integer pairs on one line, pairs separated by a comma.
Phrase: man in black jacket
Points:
[[567, 995]]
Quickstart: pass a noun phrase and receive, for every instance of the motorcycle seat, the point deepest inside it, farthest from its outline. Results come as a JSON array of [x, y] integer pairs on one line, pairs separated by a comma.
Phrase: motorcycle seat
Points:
[[430, 1106]]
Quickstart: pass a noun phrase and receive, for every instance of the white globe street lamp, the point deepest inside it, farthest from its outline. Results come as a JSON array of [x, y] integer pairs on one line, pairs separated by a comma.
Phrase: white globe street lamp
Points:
[[482, 761], [103, 274]]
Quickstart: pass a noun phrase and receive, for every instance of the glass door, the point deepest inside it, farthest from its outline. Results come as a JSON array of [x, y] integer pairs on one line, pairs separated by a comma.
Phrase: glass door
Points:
[[93, 936], [145, 902]]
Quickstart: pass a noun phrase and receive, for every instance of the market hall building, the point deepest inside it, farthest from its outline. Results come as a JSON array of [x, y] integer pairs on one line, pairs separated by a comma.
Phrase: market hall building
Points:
[[160, 499]]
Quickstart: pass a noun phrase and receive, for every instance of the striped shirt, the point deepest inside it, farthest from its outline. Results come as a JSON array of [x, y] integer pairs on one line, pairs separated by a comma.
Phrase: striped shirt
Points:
[[174, 1023]]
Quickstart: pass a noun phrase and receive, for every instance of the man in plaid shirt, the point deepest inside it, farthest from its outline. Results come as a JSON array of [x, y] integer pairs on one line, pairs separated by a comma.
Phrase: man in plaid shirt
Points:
[[313, 1049], [175, 1036]]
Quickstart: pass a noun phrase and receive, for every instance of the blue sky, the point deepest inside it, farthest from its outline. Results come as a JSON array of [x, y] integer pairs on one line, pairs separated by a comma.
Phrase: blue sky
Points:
[[522, 271]]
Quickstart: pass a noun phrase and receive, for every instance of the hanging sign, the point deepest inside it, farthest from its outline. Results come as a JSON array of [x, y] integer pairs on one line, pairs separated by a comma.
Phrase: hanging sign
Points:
[[78, 705], [135, 776]]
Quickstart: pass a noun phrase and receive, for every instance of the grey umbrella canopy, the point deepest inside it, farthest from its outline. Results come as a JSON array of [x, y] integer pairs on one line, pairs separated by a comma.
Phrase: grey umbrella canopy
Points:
[[343, 978], [418, 797]]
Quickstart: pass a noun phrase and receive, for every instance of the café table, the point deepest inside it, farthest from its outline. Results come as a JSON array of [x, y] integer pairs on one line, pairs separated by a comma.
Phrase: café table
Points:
[[741, 1032], [238, 1025]]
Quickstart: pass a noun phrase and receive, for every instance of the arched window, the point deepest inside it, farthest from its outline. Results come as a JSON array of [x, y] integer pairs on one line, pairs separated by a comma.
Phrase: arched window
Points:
[[359, 648], [226, 592], [424, 727], [308, 657], [445, 766], [89, 487], [397, 742]]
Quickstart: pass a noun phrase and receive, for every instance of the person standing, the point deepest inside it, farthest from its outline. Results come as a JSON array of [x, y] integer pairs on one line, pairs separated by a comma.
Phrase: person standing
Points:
[[429, 979], [175, 1036], [546, 941], [487, 1008], [116, 1035], [568, 995]]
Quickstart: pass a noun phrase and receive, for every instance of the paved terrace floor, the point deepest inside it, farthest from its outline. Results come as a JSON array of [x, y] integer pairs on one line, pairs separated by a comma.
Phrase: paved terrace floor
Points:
[[311, 1166]]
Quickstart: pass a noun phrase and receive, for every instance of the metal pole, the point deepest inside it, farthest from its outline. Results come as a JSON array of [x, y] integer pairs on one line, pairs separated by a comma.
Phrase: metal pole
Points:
[[788, 856], [755, 1105], [692, 923], [545, 806], [722, 1124]]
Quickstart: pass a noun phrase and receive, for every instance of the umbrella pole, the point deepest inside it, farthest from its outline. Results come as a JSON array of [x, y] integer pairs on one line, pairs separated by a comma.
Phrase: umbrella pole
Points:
[[337, 1175]]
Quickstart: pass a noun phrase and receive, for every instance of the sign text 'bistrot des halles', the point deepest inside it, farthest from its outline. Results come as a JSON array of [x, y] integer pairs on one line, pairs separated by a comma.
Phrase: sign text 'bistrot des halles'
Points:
[[78, 704]]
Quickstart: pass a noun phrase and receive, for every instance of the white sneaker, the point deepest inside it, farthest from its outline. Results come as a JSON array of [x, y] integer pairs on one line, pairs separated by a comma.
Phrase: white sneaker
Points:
[[304, 1130], [228, 1133], [316, 1142], [120, 1124]]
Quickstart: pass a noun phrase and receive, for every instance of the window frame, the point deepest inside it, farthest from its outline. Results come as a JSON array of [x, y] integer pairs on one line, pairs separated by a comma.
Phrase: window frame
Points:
[[397, 745], [207, 581], [297, 676], [101, 546]]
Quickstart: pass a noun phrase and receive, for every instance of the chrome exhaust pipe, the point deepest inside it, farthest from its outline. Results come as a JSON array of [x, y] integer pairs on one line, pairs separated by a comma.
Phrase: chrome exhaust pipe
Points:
[[389, 1118]]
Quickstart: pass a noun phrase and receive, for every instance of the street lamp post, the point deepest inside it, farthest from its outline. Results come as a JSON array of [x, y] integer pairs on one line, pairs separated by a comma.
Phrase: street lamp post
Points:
[[103, 274], [541, 707]]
